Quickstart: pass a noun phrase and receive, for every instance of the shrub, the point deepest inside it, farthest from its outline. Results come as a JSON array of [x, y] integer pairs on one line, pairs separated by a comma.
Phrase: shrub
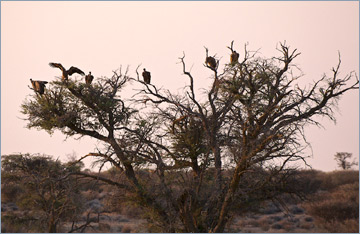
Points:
[[338, 209], [13, 222], [42, 185], [276, 226], [347, 226], [11, 193], [308, 181], [334, 179], [296, 210], [287, 225], [341, 204], [308, 219]]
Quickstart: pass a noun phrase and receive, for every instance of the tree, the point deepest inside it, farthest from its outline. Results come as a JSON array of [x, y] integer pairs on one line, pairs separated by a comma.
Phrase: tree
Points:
[[212, 156], [342, 160], [46, 186]]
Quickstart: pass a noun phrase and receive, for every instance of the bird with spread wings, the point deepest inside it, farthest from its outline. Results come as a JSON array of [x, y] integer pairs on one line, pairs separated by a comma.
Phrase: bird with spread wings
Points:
[[66, 73], [38, 86]]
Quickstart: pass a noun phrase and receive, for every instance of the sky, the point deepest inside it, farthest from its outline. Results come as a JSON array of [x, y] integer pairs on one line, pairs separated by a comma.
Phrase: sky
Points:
[[102, 36]]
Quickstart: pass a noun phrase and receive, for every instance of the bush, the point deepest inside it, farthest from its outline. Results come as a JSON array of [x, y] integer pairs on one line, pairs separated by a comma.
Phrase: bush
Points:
[[308, 181], [334, 179], [338, 209], [14, 222], [347, 226], [11, 193], [39, 184]]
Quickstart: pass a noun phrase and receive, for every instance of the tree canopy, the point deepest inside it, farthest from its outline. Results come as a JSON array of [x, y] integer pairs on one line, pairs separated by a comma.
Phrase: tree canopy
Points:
[[224, 150], [45, 187]]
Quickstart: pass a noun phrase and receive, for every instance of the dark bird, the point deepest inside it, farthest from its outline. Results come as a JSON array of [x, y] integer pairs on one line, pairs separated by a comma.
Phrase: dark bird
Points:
[[147, 76], [211, 62], [234, 57], [67, 73], [38, 86], [89, 78]]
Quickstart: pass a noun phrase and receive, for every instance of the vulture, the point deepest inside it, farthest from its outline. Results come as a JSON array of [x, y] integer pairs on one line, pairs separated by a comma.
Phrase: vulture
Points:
[[211, 62], [89, 78], [67, 73], [147, 76], [39, 86], [234, 57]]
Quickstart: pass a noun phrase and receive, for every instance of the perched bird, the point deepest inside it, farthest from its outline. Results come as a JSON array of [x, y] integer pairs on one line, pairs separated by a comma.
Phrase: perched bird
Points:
[[89, 78], [67, 73], [147, 76], [234, 57], [38, 86], [211, 62]]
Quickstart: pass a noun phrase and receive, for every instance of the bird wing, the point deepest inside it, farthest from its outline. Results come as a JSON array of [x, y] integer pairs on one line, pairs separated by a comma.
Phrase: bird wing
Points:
[[39, 81], [73, 70], [36, 86], [33, 83], [58, 65]]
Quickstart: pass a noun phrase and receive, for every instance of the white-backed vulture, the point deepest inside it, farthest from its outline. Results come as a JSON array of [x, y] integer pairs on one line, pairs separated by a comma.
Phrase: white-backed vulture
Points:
[[89, 78]]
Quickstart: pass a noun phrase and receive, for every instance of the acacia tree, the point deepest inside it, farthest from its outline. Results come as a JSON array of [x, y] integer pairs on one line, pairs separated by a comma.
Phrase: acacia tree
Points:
[[214, 155], [47, 188], [342, 160]]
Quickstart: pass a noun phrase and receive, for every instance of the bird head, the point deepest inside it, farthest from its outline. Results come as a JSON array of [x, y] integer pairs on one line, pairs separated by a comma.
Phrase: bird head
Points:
[[89, 72], [144, 69], [30, 80]]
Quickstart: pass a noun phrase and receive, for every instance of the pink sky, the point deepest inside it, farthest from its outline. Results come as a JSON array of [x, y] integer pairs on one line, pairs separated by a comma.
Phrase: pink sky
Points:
[[101, 36]]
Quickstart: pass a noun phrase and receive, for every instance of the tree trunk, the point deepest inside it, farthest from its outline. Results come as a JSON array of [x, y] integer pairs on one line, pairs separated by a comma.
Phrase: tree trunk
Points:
[[223, 217], [52, 225]]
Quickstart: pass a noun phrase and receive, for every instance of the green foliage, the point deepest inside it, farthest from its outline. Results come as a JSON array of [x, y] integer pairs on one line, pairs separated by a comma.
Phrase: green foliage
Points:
[[188, 142], [71, 106]]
